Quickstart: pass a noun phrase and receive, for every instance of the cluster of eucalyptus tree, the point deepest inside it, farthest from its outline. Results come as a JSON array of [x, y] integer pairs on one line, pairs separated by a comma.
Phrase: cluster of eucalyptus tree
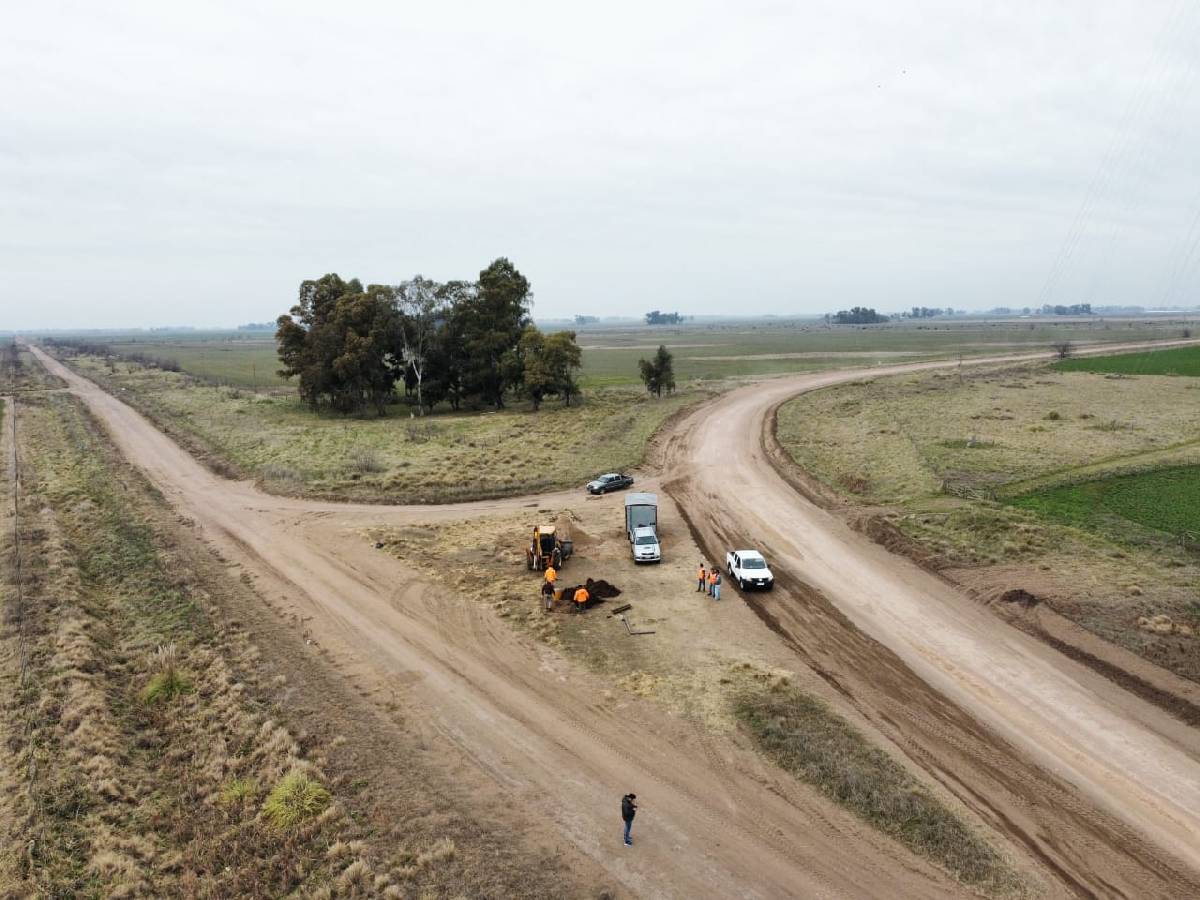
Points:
[[456, 342]]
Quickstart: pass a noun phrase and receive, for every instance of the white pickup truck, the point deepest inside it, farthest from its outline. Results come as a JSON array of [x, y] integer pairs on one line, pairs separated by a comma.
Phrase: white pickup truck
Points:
[[749, 569]]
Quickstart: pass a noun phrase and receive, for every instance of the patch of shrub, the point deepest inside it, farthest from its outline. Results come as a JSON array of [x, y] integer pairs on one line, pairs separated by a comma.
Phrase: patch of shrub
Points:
[[238, 791], [365, 461], [1053, 416], [295, 798], [167, 682]]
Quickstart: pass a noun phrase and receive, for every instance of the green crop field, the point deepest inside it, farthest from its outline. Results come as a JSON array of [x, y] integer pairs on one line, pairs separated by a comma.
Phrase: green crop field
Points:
[[704, 351], [1164, 500], [1175, 361]]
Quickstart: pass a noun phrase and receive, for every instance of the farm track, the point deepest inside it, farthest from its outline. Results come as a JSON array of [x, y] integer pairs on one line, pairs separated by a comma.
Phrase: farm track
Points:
[[1096, 785]]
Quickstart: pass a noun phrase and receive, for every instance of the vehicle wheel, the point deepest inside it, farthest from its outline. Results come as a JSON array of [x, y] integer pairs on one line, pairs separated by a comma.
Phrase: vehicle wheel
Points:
[[741, 584]]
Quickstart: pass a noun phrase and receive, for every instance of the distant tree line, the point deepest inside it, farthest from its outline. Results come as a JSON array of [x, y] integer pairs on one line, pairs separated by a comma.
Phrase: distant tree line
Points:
[[586, 320], [457, 342], [655, 317], [859, 315], [925, 312], [1078, 309]]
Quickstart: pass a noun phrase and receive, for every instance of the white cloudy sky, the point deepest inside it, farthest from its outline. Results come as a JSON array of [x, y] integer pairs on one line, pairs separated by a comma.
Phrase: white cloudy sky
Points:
[[192, 163]]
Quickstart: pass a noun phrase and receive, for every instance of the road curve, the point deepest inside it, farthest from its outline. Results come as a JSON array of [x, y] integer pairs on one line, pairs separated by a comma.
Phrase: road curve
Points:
[[1132, 760], [544, 738]]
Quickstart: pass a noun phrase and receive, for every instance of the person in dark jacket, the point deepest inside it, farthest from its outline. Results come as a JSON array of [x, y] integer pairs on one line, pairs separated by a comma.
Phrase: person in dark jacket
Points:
[[628, 811]]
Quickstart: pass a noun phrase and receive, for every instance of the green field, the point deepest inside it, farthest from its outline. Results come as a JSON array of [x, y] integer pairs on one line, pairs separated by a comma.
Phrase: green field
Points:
[[241, 362], [1176, 361], [704, 351], [1163, 500]]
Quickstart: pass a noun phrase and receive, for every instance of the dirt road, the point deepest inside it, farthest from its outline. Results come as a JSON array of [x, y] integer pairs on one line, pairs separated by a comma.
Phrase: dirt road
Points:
[[725, 824], [1118, 779]]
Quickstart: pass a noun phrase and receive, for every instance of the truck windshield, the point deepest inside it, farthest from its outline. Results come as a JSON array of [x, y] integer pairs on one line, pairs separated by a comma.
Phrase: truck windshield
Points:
[[754, 563], [644, 539]]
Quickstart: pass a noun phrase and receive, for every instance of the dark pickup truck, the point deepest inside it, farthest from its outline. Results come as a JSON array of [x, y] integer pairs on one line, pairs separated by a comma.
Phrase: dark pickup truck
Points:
[[610, 482]]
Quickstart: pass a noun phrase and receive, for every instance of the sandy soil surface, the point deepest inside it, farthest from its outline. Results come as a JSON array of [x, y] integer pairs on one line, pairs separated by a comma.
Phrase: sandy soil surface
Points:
[[1098, 786]]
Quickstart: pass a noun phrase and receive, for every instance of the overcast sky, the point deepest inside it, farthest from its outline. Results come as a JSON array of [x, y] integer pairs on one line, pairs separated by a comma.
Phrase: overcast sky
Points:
[[169, 163]]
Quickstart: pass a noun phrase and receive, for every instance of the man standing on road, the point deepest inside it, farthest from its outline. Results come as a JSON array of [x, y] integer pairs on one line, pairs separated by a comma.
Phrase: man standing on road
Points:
[[628, 811], [716, 584], [702, 576]]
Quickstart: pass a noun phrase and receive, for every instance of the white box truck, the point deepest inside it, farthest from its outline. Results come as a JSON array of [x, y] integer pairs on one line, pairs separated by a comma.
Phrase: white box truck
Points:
[[641, 525]]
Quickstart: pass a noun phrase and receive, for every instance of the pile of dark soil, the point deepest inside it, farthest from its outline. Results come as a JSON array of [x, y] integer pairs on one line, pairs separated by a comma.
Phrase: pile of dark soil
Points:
[[598, 591]]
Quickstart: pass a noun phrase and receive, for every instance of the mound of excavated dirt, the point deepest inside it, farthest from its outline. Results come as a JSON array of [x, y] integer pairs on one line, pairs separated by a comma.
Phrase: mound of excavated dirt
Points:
[[598, 592]]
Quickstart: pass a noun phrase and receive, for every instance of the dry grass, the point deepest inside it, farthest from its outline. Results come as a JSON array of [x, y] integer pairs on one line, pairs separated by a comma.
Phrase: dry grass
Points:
[[918, 436], [444, 457], [137, 779], [946, 453], [808, 740]]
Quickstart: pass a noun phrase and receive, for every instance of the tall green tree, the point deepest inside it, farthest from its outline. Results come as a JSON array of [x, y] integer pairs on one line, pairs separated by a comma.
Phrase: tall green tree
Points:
[[564, 357], [550, 363], [338, 341], [448, 357], [658, 373], [494, 319]]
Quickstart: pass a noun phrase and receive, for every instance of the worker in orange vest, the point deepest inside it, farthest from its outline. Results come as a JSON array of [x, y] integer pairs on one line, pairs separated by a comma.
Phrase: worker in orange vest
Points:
[[712, 581], [551, 575], [581, 598], [700, 585]]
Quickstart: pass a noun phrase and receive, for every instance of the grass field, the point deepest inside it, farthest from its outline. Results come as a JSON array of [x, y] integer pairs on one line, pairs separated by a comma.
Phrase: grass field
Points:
[[1163, 500], [438, 458], [703, 351], [1074, 486], [1176, 361], [900, 439]]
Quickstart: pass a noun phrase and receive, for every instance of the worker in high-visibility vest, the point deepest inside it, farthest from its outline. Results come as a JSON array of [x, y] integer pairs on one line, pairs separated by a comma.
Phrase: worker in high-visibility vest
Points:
[[581, 598], [551, 575]]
